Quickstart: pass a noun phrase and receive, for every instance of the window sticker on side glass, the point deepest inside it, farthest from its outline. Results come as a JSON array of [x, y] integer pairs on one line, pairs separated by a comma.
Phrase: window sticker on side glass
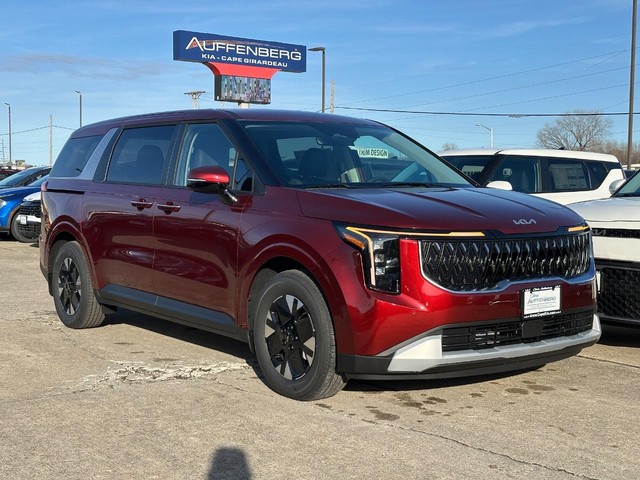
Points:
[[538, 302]]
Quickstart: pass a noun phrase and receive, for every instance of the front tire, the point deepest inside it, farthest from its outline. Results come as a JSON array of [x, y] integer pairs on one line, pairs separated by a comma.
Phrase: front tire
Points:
[[294, 338], [18, 235], [72, 288]]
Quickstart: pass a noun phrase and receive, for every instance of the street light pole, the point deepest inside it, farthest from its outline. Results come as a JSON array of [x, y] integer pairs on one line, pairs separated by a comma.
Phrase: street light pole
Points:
[[632, 81], [10, 157], [321, 49], [80, 95], [490, 132]]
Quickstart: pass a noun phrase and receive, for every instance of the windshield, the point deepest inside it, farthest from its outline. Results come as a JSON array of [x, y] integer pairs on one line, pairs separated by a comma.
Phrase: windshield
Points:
[[16, 178], [471, 165], [631, 188], [347, 155], [38, 182]]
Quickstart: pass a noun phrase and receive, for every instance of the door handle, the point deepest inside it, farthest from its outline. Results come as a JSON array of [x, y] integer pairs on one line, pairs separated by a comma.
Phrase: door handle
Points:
[[141, 204], [169, 207]]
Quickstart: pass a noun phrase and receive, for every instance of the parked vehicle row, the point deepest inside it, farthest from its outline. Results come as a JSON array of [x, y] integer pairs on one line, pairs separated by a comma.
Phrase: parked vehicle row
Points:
[[6, 171], [338, 248], [560, 175], [11, 199]]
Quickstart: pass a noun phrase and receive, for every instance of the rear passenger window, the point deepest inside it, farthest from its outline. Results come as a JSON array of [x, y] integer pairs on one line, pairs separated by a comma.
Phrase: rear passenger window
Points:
[[598, 172], [140, 155], [74, 156], [568, 175]]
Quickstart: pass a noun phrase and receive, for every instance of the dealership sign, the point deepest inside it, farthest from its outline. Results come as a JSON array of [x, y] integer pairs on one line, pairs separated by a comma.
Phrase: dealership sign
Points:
[[242, 52]]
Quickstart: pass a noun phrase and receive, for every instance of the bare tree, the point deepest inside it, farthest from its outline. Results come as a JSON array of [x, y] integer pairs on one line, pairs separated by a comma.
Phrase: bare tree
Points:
[[619, 149], [449, 146], [579, 130]]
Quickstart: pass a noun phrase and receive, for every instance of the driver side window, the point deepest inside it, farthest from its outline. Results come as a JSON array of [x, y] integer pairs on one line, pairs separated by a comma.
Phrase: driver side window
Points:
[[204, 145]]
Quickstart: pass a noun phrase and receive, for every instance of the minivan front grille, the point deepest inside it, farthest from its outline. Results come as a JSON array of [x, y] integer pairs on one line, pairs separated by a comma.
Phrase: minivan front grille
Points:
[[616, 232], [496, 334], [619, 295], [482, 264]]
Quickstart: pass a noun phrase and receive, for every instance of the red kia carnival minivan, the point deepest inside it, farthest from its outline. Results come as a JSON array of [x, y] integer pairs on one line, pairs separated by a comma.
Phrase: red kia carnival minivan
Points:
[[337, 248]]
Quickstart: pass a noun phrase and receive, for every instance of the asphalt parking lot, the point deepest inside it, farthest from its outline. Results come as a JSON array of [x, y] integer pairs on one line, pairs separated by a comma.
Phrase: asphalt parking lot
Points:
[[140, 398]]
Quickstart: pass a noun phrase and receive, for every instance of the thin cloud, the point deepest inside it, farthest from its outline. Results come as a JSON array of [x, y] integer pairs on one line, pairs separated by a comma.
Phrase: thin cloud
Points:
[[80, 66]]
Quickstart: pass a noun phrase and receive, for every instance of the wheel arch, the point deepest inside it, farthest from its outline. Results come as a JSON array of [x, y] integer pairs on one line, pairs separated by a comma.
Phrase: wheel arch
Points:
[[265, 272], [62, 232], [280, 263]]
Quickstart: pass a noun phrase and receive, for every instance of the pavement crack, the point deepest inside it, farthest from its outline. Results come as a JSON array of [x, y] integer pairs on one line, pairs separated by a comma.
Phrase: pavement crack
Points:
[[133, 374], [610, 362], [462, 444]]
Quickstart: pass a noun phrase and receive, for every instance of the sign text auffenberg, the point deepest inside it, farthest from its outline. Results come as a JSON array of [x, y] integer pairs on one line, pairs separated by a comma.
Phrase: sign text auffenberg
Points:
[[204, 47]]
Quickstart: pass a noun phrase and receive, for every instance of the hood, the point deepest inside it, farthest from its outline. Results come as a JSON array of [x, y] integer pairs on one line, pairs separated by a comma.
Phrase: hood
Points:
[[449, 209], [18, 191], [613, 209]]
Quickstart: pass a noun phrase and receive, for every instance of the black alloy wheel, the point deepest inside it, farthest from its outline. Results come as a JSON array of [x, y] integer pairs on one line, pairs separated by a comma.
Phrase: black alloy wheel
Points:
[[72, 288], [69, 286], [294, 338], [290, 337]]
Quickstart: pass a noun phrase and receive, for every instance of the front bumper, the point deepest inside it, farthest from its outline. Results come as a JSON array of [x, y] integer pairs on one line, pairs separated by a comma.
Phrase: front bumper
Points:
[[425, 357]]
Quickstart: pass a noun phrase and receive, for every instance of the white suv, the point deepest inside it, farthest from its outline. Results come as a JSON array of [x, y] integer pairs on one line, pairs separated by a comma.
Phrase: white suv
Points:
[[563, 176], [615, 224]]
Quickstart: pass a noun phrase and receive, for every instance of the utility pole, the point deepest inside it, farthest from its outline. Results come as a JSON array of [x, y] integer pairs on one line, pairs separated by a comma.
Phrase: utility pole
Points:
[[195, 95], [80, 109], [333, 95], [632, 81], [50, 139], [10, 156]]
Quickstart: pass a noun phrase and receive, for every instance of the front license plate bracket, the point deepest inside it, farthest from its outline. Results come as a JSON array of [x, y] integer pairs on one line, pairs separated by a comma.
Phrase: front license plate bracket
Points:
[[540, 302]]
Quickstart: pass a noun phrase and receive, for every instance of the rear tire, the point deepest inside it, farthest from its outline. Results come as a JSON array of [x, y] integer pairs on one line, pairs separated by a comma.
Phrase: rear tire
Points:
[[72, 288], [294, 338]]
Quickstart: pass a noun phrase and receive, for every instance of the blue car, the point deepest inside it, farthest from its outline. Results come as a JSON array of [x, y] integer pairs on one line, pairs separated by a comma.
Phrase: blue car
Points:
[[10, 200]]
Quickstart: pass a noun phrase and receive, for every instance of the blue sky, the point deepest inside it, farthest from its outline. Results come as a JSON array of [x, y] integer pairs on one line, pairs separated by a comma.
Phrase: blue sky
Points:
[[466, 56]]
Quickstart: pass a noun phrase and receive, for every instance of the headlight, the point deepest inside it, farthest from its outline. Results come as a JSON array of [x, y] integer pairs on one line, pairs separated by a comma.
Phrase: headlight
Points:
[[2, 203], [380, 255], [32, 197]]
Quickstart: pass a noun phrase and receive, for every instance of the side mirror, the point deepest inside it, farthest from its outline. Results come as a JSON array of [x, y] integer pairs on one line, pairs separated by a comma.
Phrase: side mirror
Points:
[[500, 184], [210, 179], [616, 184]]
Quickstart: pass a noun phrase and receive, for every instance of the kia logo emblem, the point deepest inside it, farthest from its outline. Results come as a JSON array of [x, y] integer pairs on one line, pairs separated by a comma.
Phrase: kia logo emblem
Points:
[[524, 221]]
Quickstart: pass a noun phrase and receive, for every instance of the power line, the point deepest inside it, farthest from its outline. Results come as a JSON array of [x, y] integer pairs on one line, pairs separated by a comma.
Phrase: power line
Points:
[[475, 114], [522, 87], [472, 82], [35, 129]]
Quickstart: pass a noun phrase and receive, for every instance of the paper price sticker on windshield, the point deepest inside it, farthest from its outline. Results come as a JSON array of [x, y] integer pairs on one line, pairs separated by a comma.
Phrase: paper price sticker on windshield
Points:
[[538, 302]]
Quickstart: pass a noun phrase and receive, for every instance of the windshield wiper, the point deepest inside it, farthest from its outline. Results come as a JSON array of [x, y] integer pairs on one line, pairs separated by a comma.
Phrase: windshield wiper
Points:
[[410, 184], [327, 185]]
